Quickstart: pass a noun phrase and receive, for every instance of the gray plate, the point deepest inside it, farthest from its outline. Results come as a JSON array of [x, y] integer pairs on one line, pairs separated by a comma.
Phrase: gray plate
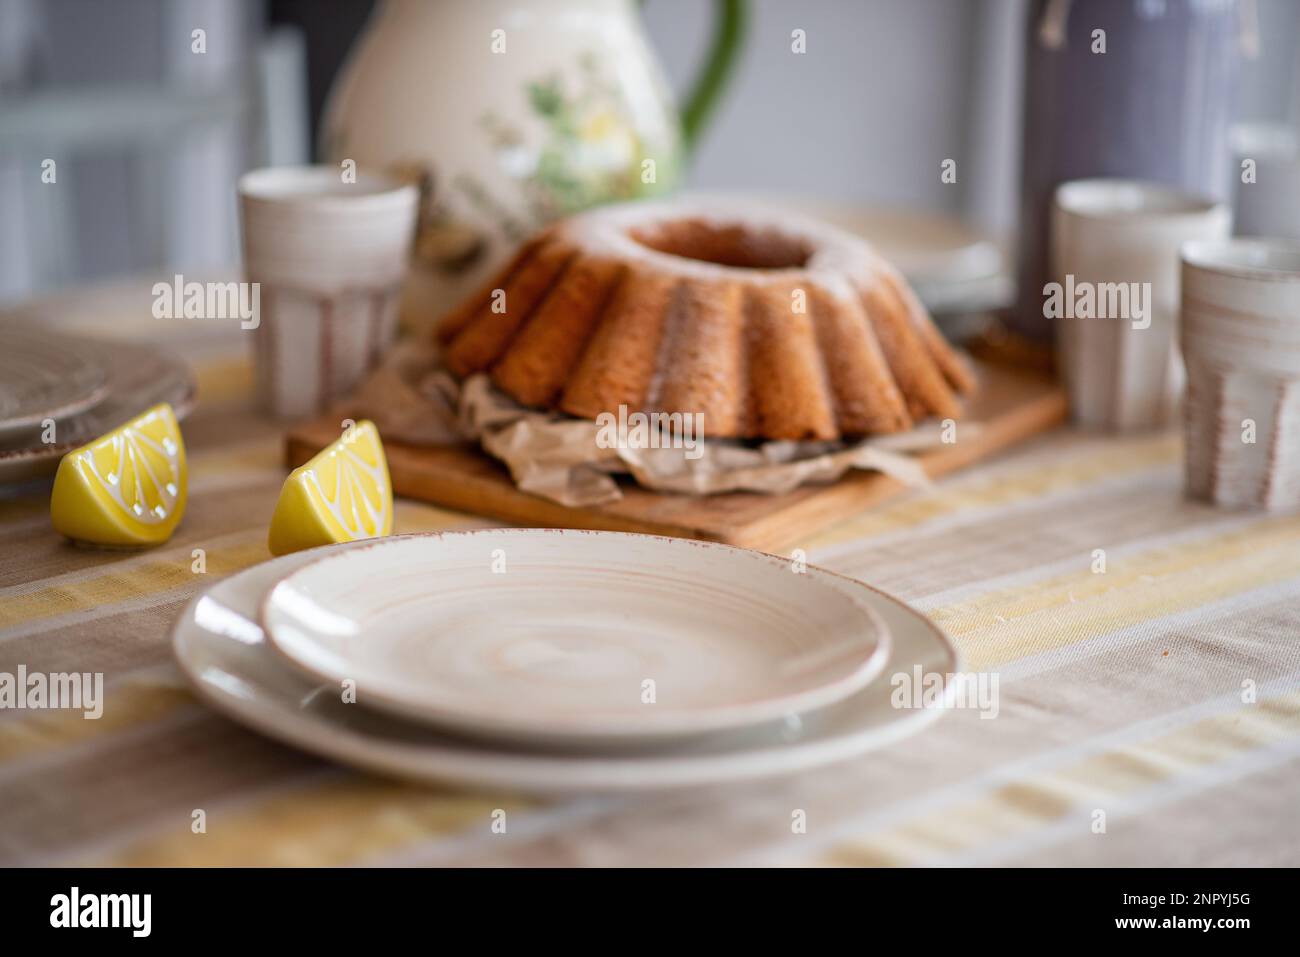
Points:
[[138, 377], [44, 375]]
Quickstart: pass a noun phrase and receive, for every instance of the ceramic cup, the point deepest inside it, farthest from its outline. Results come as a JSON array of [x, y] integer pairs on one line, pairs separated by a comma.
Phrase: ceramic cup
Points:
[[1115, 271], [1241, 342], [330, 258]]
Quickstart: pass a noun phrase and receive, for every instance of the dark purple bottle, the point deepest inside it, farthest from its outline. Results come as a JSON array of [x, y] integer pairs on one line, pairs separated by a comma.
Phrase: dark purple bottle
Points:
[[1156, 105]]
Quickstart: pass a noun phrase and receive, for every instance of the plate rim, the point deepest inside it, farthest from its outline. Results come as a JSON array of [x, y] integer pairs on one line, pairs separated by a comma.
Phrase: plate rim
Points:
[[65, 408], [732, 716], [466, 765], [68, 409], [34, 463]]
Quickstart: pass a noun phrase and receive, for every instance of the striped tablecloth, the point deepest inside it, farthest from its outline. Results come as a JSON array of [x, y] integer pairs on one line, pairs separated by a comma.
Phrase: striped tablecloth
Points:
[[1159, 697]]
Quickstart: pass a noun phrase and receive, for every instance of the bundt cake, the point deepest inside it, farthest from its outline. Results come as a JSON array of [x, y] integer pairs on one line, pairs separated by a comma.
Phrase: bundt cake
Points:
[[772, 327]]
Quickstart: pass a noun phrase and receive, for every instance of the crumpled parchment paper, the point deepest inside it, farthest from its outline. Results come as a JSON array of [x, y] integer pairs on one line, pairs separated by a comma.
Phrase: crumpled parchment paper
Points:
[[413, 400]]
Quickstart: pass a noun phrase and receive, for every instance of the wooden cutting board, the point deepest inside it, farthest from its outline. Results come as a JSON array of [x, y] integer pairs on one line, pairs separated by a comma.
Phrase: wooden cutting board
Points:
[[1012, 406]]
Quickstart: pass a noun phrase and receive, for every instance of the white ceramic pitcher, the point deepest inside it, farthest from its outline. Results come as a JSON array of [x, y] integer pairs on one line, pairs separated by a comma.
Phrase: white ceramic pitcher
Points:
[[508, 114]]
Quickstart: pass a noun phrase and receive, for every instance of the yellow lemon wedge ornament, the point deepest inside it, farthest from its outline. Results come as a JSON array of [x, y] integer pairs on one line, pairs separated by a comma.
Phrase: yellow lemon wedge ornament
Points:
[[126, 488], [341, 495]]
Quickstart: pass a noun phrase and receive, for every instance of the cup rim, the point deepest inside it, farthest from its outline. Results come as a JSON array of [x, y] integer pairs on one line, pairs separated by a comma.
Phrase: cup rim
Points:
[[1094, 198], [1244, 257], [320, 186]]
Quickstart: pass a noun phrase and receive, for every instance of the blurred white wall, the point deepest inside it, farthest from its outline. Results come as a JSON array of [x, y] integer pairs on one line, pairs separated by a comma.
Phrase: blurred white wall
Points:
[[888, 89]]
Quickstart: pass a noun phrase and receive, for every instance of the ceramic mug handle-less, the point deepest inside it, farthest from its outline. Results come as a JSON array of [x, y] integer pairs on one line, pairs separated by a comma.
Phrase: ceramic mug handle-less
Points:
[[731, 19]]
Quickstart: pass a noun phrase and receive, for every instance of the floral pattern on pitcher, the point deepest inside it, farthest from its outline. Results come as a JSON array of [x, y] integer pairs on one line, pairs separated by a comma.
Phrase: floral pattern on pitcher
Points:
[[591, 152]]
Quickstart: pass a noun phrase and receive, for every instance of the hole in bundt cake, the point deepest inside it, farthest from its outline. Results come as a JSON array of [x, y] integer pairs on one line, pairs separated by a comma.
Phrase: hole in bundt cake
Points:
[[725, 244]]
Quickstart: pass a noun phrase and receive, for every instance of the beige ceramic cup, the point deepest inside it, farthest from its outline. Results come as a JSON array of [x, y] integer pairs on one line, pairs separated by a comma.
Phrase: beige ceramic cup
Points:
[[1241, 342], [329, 258], [1115, 262]]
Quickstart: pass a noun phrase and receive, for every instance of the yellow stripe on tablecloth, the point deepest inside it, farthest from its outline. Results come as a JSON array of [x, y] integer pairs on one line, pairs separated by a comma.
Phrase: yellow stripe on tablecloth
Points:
[[339, 822], [169, 569], [263, 454], [164, 571], [125, 706], [1040, 800], [1009, 624], [322, 824], [226, 379], [1073, 470]]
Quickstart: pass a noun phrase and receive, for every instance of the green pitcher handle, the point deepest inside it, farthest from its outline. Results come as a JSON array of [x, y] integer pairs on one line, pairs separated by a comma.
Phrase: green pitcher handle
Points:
[[730, 20]]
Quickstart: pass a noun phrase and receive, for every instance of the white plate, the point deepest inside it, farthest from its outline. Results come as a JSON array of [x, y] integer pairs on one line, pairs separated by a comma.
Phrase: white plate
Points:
[[561, 635], [224, 654], [951, 267]]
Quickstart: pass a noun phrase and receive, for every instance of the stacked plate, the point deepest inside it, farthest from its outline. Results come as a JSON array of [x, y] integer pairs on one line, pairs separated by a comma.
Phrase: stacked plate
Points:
[[557, 660], [82, 387], [954, 268]]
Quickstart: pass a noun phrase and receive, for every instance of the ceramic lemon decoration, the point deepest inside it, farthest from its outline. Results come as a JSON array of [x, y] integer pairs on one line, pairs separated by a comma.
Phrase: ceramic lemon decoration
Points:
[[342, 494], [126, 488]]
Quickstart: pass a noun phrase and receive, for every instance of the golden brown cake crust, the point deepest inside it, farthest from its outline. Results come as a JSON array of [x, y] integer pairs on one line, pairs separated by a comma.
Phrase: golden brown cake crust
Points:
[[701, 362], [619, 364], [771, 326], [553, 338]]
